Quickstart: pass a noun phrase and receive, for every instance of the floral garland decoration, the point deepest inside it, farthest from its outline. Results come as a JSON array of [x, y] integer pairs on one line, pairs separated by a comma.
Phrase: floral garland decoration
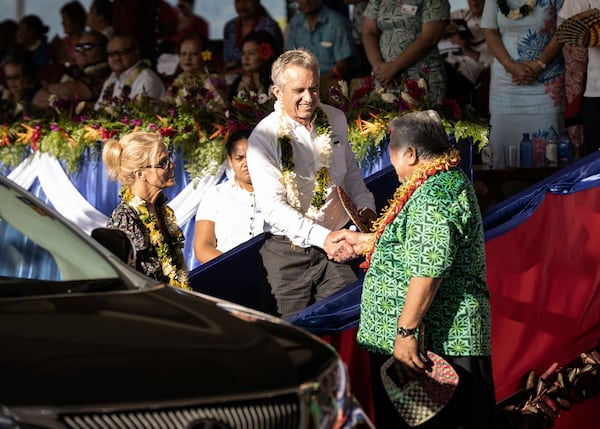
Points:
[[404, 192], [176, 269], [288, 176], [518, 13]]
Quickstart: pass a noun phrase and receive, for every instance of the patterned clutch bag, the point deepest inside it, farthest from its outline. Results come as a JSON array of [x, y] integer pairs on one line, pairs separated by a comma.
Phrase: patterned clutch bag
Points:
[[418, 398]]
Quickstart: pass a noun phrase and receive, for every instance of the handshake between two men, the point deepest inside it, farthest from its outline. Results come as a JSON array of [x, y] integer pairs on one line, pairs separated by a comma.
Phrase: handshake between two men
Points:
[[345, 244]]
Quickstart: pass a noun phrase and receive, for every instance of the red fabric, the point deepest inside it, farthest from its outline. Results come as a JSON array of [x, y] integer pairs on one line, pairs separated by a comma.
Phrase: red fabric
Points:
[[544, 279]]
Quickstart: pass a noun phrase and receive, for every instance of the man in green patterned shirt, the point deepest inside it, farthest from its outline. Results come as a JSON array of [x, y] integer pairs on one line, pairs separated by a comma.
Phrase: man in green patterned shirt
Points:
[[426, 264]]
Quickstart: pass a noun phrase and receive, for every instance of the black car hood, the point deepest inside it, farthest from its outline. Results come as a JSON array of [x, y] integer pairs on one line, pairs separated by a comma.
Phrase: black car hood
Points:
[[145, 345]]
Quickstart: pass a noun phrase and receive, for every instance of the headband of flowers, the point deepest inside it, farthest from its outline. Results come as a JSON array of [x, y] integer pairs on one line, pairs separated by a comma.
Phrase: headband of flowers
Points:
[[265, 51]]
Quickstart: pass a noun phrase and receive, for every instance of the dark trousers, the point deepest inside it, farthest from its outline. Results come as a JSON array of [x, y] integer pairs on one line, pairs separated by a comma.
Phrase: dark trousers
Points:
[[591, 125], [473, 405], [299, 276]]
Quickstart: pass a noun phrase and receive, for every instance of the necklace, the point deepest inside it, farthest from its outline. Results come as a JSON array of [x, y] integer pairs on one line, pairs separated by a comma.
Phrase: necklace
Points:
[[288, 176], [107, 95], [173, 266], [520, 12], [403, 194]]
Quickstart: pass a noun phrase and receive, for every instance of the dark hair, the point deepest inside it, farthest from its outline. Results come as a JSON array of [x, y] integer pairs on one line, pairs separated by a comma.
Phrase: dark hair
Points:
[[234, 138], [100, 38], [76, 12], [421, 130], [22, 58], [8, 30], [196, 37], [103, 8], [35, 23], [264, 37], [131, 41]]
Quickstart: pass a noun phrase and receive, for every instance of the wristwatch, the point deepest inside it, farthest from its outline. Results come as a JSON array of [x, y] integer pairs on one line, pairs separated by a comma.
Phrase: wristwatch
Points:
[[404, 332]]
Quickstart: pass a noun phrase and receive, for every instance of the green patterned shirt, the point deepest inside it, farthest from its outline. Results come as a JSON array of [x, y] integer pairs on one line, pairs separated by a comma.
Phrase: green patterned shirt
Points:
[[438, 234]]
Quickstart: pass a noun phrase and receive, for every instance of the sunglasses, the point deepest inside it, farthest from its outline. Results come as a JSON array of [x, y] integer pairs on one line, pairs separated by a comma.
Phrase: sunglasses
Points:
[[84, 47], [163, 163], [119, 52]]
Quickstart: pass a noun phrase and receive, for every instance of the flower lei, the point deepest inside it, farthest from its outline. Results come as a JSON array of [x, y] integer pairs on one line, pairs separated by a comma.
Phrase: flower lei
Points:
[[288, 176], [520, 12], [176, 269], [107, 95], [403, 194]]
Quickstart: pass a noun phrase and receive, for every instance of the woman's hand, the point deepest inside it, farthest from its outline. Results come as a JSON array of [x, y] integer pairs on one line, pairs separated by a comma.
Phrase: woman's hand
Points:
[[521, 74], [385, 73]]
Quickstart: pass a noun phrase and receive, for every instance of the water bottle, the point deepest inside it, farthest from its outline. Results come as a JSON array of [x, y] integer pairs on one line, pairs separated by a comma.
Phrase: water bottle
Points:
[[539, 152], [564, 149], [551, 151], [526, 151]]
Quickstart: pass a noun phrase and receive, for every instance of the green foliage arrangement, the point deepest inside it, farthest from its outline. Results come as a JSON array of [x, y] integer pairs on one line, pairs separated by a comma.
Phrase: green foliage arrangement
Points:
[[197, 123]]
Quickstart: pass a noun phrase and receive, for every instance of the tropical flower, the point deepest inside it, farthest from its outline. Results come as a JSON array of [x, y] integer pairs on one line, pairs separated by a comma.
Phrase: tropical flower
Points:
[[265, 51]]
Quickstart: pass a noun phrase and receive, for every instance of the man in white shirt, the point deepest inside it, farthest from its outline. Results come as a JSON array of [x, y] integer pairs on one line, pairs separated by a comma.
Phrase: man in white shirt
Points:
[[131, 77], [297, 156]]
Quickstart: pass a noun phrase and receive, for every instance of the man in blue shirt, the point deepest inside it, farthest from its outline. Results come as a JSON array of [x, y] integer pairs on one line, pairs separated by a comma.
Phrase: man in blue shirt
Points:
[[326, 33]]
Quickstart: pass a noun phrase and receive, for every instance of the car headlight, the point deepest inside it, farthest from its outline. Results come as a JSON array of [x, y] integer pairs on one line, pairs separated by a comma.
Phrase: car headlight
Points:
[[327, 399]]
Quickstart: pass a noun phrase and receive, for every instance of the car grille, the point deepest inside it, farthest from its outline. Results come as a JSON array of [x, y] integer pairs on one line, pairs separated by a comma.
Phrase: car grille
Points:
[[275, 413]]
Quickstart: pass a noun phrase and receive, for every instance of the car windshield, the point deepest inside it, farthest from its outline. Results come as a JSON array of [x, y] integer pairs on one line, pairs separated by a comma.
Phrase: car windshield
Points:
[[40, 249]]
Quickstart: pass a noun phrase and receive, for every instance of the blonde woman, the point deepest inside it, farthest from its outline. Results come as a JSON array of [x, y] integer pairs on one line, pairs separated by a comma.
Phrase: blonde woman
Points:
[[141, 162]]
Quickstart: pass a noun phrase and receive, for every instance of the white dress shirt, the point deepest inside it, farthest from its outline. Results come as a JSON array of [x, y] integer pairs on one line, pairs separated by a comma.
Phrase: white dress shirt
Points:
[[147, 82], [235, 213], [304, 227]]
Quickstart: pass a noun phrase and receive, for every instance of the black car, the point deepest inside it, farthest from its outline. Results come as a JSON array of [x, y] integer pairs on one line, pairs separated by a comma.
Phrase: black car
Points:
[[88, 342]]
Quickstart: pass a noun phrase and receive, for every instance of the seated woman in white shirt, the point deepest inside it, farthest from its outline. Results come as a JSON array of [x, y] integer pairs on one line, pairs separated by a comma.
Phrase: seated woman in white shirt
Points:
[[228, 214]]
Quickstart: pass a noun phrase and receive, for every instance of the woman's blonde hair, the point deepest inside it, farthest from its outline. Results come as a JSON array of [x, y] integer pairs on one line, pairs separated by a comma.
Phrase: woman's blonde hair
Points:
[[130, 153]]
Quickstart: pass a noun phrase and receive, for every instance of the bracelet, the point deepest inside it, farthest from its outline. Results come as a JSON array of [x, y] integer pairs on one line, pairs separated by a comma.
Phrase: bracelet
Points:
[[542, 64], [507, 60]]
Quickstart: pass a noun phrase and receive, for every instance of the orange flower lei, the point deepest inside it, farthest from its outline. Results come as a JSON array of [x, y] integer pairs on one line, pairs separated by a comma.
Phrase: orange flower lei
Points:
[[403, 194]]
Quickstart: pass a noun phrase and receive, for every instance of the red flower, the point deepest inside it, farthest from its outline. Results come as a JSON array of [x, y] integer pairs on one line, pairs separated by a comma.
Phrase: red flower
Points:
[[166, 131], [265, 51]]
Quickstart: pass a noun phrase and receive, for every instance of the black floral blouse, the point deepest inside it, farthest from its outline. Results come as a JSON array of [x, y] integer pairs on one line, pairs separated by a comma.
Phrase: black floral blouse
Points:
[[125, 218]]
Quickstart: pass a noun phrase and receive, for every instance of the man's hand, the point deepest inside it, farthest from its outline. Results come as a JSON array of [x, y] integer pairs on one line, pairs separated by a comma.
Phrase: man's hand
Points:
[[358, 240], [406, 353], [337, 248]]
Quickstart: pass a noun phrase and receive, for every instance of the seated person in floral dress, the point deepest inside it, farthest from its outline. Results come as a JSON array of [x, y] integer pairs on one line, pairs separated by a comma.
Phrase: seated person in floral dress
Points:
[[259, 51], [196, 84]]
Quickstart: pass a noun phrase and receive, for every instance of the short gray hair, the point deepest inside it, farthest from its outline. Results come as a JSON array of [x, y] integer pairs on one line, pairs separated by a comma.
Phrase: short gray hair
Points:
[[421, 130], [295, 57]]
